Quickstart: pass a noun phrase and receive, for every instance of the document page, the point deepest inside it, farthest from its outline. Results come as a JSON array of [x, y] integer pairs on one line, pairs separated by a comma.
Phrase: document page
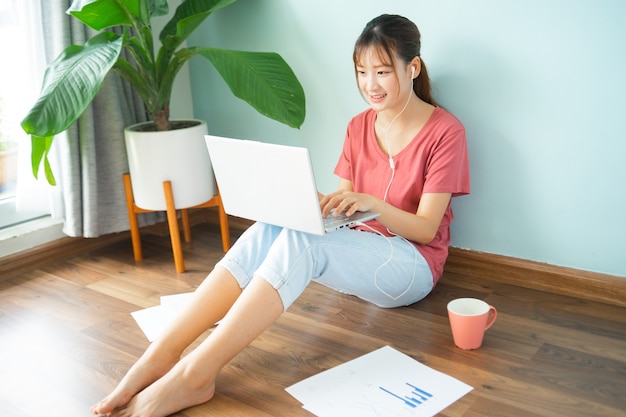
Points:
[[384, 382], [153, 320]]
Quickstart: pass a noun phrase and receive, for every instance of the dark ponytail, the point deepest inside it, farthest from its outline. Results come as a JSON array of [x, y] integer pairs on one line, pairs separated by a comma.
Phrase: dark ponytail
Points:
[[393, 34], [421, 86]]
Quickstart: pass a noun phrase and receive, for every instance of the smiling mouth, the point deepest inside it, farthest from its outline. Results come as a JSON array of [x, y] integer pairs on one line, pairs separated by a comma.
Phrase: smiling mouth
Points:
[[377, 97]]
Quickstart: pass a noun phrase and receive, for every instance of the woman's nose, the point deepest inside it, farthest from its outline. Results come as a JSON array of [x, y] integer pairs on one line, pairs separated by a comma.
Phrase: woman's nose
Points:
[[370, 83]]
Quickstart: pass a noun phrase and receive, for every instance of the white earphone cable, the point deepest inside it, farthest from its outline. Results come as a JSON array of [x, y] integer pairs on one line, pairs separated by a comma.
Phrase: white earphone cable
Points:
[[393, 173], [392, 164], [389, 260]]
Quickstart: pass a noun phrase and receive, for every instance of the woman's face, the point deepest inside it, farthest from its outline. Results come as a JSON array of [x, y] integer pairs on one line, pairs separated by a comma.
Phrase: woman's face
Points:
[[385, 85]]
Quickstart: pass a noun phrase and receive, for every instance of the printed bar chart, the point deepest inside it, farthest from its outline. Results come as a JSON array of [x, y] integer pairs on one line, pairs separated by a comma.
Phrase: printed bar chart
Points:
[[415, 397], [381, 383]]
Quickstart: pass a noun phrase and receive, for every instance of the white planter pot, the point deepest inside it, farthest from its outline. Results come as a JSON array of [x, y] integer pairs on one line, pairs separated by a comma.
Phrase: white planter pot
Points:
[[179, 156]]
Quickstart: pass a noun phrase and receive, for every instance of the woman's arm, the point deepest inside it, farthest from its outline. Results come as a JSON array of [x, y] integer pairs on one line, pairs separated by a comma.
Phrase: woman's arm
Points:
[[420, 227]]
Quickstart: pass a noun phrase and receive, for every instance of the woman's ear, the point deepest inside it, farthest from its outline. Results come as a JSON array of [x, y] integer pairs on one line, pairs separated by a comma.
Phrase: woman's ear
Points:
[[416, 67]]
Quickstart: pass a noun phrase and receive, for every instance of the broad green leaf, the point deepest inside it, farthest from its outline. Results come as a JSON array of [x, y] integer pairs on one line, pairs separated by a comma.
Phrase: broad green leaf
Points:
[[40, 148], [70, 84], [189, 15], [101, 14], [263, 80], [48, 171]]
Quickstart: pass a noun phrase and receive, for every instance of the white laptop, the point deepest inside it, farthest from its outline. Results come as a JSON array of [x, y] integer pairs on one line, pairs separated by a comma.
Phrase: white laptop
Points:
[[271, 184]]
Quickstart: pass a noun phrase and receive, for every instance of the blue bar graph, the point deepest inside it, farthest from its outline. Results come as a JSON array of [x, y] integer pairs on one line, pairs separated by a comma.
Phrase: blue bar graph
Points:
[[419, 392], [415, 397]]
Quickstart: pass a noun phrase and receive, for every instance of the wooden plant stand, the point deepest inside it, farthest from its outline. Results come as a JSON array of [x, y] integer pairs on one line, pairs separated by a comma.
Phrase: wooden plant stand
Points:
[[172, 221]]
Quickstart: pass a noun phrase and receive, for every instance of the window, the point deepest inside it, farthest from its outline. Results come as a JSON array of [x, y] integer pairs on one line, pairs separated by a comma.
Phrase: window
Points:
[[22, 199]]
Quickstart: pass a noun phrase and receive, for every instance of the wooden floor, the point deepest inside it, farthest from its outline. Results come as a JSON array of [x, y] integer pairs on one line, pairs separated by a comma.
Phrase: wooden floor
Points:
[[67, 337]]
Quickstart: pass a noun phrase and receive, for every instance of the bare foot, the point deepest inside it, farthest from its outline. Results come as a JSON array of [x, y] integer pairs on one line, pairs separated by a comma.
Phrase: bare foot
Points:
[[177, 390], [144, 372]]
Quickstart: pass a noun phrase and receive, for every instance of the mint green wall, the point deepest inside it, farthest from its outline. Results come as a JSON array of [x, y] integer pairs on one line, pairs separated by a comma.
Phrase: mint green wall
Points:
[[539, 85]]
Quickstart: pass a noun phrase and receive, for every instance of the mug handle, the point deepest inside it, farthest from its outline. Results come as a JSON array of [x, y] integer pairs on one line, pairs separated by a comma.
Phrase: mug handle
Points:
[[491, 317]]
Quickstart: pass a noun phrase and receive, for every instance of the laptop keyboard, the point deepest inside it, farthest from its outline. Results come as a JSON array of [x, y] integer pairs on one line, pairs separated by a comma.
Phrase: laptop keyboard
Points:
[[330, 220]]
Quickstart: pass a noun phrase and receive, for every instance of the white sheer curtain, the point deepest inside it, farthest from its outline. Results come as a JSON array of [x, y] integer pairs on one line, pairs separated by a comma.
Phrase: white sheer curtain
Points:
[[20, 86]]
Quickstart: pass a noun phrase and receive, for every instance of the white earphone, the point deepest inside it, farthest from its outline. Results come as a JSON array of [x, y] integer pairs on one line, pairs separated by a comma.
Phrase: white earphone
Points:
[[392, 164]]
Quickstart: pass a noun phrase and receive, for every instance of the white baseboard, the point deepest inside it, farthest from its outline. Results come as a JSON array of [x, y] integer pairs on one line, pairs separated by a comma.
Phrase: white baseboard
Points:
[[29, 235]]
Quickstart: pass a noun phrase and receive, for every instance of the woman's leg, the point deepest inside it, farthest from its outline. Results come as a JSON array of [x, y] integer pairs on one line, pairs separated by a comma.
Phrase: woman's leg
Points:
[[210, 302], [388, 272], [384, 271], [192, 380]]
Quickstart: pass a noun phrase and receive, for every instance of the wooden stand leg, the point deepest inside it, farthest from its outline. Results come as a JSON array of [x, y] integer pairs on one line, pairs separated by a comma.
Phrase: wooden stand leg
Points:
[[184, 215], [172, 221], [223, 224], [132, 218]]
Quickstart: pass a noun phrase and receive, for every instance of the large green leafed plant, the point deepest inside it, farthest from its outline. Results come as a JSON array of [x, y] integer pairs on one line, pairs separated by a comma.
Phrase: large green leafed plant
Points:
[[262, 79]]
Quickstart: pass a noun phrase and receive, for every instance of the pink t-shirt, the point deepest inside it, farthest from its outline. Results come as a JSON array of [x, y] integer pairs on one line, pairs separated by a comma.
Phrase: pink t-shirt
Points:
[[435, 161]]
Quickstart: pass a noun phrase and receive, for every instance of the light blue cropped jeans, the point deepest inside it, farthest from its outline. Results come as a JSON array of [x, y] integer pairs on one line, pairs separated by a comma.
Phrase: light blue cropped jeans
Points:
[[389, 272]]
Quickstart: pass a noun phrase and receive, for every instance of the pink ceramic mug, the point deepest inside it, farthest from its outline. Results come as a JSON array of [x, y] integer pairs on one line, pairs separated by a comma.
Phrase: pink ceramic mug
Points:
[[469, 318]]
